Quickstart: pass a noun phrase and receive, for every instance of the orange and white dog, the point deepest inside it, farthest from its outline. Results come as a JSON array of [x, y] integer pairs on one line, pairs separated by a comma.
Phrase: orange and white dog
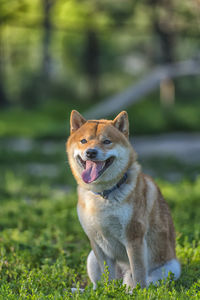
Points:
[[121, 210]]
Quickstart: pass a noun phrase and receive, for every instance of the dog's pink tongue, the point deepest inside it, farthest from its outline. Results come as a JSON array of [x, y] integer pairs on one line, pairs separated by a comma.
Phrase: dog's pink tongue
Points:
[[92, 170]]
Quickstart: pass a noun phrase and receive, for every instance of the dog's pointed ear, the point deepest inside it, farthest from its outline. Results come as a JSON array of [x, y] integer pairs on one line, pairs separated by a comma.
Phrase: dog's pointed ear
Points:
[[76, 121], [121, 123]]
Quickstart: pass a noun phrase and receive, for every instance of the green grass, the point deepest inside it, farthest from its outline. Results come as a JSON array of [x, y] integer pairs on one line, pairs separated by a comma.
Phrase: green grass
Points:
[[43, 248]]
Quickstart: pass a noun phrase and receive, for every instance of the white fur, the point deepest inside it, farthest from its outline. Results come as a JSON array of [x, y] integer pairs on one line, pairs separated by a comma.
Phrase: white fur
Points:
[[162, 272], [77, 152], [111, 213], [108, 226], [93, 269]]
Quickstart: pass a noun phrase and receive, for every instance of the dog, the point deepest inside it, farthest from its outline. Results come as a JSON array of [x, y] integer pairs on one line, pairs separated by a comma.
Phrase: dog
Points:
[[121, 210]]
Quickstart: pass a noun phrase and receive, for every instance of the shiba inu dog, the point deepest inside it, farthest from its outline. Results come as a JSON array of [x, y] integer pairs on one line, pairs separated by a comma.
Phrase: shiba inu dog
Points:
[[121, 210]]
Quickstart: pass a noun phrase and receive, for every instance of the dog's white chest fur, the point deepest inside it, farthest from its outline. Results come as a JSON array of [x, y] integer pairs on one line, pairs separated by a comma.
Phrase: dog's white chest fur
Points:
[[105, 222]]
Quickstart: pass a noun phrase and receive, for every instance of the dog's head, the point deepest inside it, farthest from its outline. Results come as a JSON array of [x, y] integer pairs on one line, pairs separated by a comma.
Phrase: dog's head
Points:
[[99, 150]]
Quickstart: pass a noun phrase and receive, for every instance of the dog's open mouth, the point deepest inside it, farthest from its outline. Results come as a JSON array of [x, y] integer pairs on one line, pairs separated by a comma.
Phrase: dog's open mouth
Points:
[[93, 169]]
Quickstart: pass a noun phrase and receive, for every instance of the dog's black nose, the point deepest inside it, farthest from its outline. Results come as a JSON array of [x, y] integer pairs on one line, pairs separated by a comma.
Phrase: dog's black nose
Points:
[[91, 153]]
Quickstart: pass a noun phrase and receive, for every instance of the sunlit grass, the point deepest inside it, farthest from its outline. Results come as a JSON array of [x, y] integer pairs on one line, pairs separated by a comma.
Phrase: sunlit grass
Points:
[[43, 247]]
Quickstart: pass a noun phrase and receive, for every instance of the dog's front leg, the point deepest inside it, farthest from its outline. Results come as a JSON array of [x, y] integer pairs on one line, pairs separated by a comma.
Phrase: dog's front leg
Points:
[[137, 255], [104, 261]]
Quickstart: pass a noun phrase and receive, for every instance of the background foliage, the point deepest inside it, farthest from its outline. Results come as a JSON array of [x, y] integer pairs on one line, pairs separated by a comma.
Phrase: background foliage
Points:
[[84, 50]]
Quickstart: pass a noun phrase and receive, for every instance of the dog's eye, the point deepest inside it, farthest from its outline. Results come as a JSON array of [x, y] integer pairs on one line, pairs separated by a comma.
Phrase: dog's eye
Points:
[[83, 141], [107, 142]]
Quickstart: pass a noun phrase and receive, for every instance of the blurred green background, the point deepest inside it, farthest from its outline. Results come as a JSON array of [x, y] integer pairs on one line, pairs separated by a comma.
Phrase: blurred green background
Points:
[[57, 55]]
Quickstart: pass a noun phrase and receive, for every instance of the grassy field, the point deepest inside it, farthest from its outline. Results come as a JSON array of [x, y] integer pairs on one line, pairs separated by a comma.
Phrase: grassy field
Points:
[[43, 248]]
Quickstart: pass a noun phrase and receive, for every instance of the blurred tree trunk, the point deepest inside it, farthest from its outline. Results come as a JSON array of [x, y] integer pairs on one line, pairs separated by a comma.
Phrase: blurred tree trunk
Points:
[[92, 63], [40, 85], [163, 28], [46, 68], [167, 41], [3, 97]]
